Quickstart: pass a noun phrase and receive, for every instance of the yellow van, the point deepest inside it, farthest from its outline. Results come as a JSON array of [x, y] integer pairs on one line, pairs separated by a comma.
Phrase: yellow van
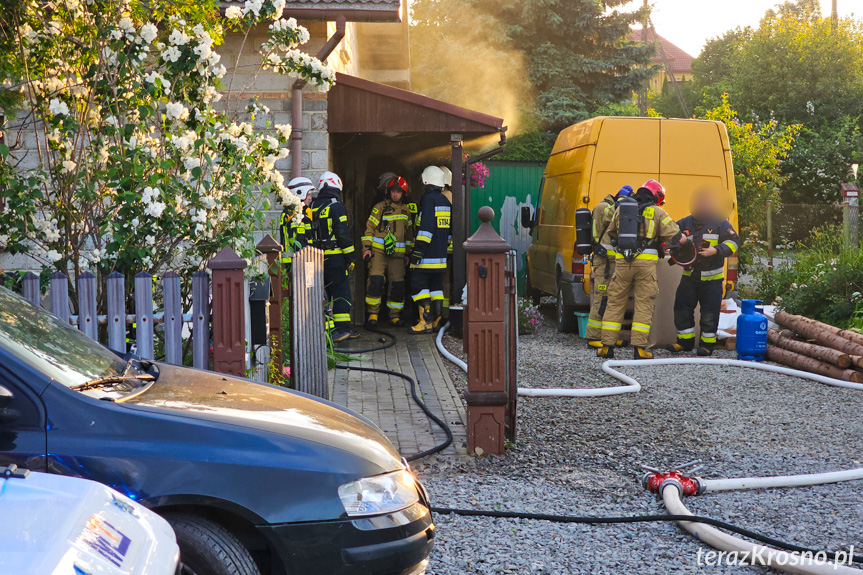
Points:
[[597, 157]]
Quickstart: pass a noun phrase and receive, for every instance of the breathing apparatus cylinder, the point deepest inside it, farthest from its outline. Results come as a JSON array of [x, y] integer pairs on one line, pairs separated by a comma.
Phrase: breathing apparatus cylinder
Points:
[[583, 231], [627, 226]]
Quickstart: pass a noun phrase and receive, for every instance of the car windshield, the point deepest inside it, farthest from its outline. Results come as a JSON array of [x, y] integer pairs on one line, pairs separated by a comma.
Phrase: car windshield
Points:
[[61, 352]]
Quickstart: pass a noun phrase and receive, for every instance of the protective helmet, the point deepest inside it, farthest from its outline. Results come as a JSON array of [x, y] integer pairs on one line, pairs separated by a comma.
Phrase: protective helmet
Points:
[[301, 187], [447, 176], [624, 192], [656, 189], [385, 178], [397, 182], [433, 176], [330, 180]]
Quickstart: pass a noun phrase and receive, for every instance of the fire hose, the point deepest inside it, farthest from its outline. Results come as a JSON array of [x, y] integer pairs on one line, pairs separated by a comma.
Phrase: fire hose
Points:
[[671, 486]]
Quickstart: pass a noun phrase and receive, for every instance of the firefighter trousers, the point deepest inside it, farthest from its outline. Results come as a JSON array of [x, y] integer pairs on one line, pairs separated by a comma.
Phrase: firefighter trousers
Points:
[[639, 277], [389, 271], [426, 285], [338, 289], [690, 293], [447, 286], [602, 271]]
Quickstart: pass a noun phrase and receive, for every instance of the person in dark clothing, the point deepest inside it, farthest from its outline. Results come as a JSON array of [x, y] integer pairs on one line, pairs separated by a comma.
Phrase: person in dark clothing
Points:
[[428, 259], [330, 223], [295, 234], [703, 281]]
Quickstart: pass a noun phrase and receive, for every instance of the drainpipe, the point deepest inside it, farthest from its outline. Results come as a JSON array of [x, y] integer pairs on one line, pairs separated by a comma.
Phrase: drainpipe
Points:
[[297, 99]]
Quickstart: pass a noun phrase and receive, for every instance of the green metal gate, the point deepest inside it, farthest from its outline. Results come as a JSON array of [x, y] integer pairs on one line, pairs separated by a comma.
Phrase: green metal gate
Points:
[[509, 186]]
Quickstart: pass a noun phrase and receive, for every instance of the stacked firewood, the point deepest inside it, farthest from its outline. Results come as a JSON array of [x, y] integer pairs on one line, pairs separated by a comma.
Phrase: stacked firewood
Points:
[[816, 347]]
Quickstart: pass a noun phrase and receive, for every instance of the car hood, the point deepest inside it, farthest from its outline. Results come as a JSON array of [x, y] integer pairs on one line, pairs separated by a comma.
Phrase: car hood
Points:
[[235, 401]]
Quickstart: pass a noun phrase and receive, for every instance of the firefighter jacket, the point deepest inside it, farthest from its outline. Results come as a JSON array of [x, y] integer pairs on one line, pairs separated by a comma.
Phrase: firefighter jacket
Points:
[[388, 217], [295, 236], [655, 227], [603, 213], [330, 225], [447, 193], [434, 231], [719, 235]]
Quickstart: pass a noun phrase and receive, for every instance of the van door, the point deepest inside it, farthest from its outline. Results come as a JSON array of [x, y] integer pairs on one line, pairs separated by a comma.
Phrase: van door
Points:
[[545, 233], [627, 153]]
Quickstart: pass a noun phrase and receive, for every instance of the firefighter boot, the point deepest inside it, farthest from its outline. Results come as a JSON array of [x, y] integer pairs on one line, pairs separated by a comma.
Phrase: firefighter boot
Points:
[[641, 353], [680, 346], [397, 321], [372, 322], [424, 325], [594, 343], [704, 351], [605, 352], [436, 310]]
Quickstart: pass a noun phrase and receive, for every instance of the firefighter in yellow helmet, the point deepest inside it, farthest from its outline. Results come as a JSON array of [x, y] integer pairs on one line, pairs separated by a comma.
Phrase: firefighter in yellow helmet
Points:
[[389, 231], [638, 230]]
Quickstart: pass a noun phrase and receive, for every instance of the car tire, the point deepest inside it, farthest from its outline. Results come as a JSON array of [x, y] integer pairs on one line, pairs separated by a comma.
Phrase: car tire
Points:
[[207, 548], [566, 320], [531, 292]]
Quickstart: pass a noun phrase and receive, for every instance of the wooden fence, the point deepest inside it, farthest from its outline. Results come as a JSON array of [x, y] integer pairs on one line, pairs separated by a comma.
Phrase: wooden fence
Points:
[[308, 364]]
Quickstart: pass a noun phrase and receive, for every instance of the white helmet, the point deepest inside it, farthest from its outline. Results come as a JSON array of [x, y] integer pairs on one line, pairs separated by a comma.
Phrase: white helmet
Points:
[[301, 187], [447, 176], [433, 176], [330, 180]]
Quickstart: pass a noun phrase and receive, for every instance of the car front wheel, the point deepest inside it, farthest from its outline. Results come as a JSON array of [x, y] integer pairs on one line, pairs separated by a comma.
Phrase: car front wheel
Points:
[[207, 548]]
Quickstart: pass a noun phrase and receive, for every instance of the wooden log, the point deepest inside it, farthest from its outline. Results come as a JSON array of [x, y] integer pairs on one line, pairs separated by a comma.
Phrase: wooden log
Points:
[[857, 361], [804, 363], [851, 336], [810, 330], [818, 352]]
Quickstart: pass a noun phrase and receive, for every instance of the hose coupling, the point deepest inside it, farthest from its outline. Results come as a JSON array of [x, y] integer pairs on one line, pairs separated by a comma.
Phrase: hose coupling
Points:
[[657, 481]]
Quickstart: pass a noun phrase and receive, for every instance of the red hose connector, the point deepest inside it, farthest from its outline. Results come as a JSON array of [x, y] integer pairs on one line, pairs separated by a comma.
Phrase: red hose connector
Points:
[[656, 482]]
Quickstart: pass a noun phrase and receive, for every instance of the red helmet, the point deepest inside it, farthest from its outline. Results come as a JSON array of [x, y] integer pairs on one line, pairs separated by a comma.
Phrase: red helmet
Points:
[[656, 189], [397, 182]]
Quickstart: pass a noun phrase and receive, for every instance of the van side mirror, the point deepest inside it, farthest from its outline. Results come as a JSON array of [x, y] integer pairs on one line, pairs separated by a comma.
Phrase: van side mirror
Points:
[[7, 414], [527, 217]]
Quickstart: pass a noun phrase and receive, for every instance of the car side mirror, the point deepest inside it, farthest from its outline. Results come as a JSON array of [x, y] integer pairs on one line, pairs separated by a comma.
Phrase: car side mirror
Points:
[[7, 414], [527, 217]]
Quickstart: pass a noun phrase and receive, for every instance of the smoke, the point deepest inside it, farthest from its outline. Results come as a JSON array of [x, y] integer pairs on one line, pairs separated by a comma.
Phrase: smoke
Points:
[[460, 55]]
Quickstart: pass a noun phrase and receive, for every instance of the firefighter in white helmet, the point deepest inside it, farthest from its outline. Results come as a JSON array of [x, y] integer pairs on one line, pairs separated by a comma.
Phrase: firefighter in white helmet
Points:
[[331, 234], [296, 234], [447, 276], [428, 259]]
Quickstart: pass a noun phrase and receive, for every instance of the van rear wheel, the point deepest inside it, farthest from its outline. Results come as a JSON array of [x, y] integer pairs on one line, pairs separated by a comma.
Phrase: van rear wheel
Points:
[[566, 320]]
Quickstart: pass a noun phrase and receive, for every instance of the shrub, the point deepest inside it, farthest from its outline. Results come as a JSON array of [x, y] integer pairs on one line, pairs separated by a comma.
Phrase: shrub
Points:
[[529, 318]]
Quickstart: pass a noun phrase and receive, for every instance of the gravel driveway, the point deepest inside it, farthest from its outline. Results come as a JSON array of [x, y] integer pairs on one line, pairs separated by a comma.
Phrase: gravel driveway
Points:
[[582, 456]]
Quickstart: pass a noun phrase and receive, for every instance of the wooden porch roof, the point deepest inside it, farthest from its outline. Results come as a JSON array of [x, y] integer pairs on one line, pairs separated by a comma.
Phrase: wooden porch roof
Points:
[[362, 106]]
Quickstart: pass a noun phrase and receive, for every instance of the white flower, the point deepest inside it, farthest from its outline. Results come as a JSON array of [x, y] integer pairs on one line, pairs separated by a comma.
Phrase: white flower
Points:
[[176, 110], [53, 256], [178, 38], [149, 32], [155, 209], [68, 166], [253, 6], [233, 12], [171, 54], [58, 107], [279, 7], [150, 240], [284, 130]]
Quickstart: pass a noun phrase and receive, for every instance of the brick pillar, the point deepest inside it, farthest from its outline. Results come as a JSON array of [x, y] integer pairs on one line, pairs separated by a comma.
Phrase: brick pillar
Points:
[[273, 251], [486, 395], [229, 312]]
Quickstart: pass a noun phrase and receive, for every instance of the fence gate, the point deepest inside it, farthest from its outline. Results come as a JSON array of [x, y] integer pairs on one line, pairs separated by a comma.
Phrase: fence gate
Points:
[[511, 341], [308, 334]]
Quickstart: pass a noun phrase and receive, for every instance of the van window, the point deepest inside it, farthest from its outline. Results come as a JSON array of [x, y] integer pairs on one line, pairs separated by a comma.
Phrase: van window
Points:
[[538, 205], [548, 207]]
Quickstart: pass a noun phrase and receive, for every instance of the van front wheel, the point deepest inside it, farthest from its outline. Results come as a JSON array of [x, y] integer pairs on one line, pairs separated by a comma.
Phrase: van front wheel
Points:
[[566, 320]]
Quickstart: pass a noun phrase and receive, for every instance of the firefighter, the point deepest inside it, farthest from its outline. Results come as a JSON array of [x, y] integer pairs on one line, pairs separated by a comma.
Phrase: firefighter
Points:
[[388, 233], [428, 259], [638, 236], [602, 263], [330, 223], [296, 235], [447, 276], [703, 281]]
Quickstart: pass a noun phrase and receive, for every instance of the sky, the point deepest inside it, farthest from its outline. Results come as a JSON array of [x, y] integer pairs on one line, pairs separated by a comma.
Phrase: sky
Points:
[[690, 23]]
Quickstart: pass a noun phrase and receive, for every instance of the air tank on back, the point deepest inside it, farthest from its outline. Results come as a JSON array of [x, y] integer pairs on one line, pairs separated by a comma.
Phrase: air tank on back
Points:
[[751, 332]]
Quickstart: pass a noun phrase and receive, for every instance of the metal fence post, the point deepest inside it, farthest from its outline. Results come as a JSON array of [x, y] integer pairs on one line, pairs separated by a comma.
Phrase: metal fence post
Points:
[[770, 235], [88, 319], [144, 315], [486, 396], [173, 318], [273, 251], [229, 312], [30, 289], [308, 334], [60, 296], [201, 320], [116, 311]]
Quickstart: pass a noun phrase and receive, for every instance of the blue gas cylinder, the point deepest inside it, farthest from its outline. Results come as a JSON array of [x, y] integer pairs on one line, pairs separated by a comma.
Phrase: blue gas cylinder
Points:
[[751, 332]]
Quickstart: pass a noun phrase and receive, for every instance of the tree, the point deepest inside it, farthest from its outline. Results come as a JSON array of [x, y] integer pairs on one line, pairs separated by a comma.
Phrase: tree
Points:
[[758, 151], [137, 168], [575, 55]]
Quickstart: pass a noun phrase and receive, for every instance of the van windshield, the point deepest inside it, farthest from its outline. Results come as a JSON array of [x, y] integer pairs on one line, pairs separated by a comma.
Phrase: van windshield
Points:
[[61, 352]]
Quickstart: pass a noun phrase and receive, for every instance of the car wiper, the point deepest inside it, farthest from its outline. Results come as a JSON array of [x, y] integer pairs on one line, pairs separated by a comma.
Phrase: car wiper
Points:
[[107, 381]]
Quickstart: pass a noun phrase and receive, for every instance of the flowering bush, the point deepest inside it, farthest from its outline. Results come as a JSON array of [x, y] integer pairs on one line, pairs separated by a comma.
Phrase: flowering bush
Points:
[[478, 173], [137, 168], [529, 317]]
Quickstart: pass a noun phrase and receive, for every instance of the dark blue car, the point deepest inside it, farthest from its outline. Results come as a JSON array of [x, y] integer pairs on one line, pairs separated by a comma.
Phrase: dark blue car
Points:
[[255, 479]]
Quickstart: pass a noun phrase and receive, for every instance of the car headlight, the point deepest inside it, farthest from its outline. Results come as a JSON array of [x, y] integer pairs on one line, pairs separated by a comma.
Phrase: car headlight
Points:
[[379, 494]]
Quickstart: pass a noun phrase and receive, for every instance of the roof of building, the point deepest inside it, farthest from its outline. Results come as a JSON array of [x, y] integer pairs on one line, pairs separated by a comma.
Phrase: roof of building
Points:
[[353, 10], [358, 105], [680, 61]]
